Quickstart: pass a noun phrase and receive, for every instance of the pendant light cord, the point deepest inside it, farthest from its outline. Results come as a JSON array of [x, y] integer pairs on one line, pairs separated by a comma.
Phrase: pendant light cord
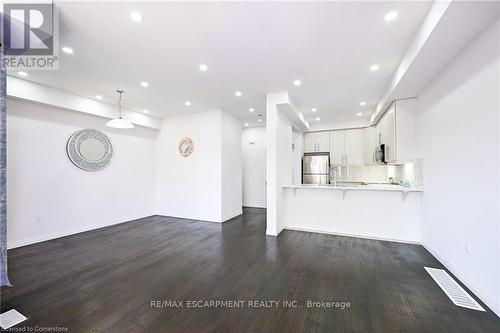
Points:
[[120, 104]]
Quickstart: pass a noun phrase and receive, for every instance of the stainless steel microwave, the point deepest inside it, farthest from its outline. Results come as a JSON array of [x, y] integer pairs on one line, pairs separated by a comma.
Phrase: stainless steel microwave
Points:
[[380, 154]]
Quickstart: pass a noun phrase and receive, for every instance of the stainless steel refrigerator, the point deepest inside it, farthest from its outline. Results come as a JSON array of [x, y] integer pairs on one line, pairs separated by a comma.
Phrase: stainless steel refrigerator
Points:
[[316, 168]]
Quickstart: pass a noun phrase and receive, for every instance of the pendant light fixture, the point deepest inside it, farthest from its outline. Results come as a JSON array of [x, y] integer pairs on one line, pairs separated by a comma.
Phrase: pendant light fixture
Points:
[[120, 122]]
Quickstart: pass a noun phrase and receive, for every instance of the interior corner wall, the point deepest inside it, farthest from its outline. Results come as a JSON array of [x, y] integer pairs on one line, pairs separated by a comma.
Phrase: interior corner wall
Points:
[[190, 187], [253, 145], [231, 167], [207, 184], [458, 129], [279, 161], [49, 197]]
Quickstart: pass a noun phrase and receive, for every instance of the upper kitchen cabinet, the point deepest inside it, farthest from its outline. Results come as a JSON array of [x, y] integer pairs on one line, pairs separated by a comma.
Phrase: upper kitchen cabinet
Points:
[[337, 147], [386, 130], [370, 144], [315, 142], [346, 147], [396, 130], [354, 147]]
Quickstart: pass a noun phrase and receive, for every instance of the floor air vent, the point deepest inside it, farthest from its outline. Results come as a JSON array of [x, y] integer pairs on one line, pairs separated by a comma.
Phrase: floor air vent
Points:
[[453, 290], [11, 318]]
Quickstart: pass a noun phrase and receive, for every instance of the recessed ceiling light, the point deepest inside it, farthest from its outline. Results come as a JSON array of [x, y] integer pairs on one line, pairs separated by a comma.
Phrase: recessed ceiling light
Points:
[[187, 103], [391, 16], [359, 114], [145, 111], [251, 110], [135, 16], [238, 93], [246, 124], [203, 67], [317, 118], [144, 84], [67, 50], [362, 103], [374, 68], [22, 74], [297, 83], [98, 96], [314, 110]]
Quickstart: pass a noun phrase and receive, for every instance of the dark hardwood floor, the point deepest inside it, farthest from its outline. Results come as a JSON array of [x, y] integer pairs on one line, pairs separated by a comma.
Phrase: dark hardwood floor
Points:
[[105, 280]]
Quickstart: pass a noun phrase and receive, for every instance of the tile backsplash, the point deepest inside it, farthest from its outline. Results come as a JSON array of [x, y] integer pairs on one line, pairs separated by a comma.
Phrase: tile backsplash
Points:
[[411, 172]]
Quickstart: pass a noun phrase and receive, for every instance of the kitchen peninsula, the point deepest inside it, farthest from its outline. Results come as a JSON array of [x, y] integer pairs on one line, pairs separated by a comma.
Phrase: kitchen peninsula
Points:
[[387, 212]]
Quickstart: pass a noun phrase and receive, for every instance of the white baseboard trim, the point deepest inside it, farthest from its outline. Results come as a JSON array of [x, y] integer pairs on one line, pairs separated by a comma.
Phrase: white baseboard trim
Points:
[[64, 233], [201, 218], [268, 233], [232, 215], [189, 217], [353, 235], [277, 233], [254, 205], [478, 292]]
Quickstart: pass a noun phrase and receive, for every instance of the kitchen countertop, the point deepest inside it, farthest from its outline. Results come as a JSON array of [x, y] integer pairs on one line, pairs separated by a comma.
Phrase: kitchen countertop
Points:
[[362, 187]]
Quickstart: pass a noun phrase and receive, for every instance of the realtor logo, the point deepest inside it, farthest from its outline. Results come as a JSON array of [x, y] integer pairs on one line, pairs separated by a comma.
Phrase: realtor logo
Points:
[[29, 32]]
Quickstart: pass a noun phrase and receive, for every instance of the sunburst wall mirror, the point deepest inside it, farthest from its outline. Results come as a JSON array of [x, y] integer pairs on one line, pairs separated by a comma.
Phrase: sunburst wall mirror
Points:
[[186, 147]]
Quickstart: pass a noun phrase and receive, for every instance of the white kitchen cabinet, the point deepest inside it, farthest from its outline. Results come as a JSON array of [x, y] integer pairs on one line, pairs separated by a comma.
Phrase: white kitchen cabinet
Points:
[[337, 147], [309, 143], [316, 142], [396, 130], [323, 141], [388, 133], [346, 147], [370, 144], [353, 147]]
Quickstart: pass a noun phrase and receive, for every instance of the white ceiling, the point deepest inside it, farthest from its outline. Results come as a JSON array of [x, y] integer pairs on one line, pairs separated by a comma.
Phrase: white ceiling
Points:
[[254, 47]]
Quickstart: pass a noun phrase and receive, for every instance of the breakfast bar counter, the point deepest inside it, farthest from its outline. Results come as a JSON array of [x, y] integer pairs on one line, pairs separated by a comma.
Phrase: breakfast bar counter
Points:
[[379, 211]]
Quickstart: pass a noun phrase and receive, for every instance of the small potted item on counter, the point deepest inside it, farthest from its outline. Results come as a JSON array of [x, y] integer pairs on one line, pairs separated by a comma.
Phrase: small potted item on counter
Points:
[[392, 181]]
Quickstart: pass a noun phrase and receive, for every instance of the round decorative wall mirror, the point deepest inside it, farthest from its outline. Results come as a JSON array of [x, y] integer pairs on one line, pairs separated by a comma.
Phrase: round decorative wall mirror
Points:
[[90, 150], [186, 147]]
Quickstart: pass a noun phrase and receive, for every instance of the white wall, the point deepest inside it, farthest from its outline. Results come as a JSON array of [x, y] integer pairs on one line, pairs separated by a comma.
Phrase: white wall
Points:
[[232, 200], [298, 153], [42, 181], [458, 136], [253, 145], [200, 186], [279, 161]]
